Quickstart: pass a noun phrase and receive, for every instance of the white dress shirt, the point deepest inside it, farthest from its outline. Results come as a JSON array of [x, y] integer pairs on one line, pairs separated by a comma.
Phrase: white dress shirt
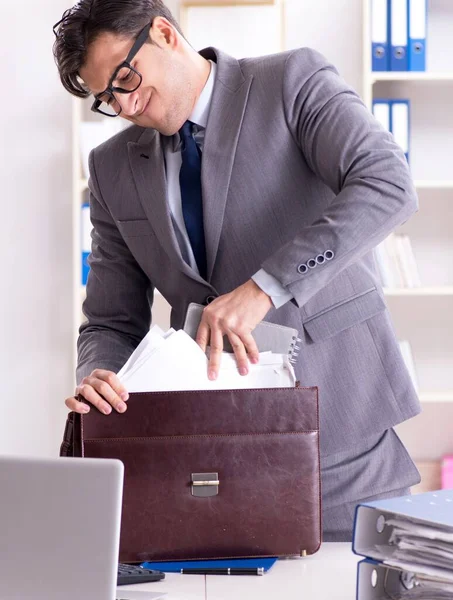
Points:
[[173, 160]]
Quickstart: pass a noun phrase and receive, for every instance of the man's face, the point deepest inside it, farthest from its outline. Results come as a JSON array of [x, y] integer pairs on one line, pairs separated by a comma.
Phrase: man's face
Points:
[[166, 95]]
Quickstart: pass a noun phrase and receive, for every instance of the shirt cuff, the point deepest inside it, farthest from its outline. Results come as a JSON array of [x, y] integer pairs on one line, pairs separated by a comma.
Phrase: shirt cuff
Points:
[[272, 287]]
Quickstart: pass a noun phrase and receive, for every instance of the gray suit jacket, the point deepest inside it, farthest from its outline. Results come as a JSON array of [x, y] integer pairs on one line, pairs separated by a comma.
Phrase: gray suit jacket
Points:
[[294, 165]]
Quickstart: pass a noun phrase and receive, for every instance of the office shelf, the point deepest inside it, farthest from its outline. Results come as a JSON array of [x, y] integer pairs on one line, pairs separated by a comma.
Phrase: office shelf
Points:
[[443, 397], [410, 76], [434, 184], [420, 291]]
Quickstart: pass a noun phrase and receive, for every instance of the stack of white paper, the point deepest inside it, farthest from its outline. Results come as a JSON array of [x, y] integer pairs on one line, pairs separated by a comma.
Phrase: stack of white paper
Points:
[[421, 582], [172, 361], [413, 539]]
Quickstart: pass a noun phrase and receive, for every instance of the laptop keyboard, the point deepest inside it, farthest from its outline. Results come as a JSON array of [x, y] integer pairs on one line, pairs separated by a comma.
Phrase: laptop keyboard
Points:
[[129, 574]]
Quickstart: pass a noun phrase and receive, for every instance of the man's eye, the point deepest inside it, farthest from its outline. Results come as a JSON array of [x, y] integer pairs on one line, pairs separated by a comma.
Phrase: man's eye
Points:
[[126, 77]]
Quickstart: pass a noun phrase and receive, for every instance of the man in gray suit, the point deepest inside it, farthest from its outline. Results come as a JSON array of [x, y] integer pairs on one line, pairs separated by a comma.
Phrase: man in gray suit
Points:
[[258, 188]]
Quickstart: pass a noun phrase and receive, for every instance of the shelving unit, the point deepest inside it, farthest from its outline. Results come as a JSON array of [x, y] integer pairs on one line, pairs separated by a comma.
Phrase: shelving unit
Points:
[[424, 315]]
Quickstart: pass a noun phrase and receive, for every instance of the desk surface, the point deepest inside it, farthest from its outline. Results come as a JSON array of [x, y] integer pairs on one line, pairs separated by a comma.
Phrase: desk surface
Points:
[[330, 574]]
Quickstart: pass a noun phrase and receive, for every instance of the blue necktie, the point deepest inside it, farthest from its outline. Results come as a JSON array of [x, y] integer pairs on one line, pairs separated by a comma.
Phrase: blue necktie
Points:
[[192, 206]]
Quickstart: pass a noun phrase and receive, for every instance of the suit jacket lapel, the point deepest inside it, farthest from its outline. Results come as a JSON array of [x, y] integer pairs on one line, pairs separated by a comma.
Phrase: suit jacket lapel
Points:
[[226, 113], [151, 184], [229, 100]]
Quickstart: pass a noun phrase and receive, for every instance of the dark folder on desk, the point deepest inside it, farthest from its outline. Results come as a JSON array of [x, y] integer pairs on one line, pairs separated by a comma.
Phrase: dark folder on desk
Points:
[[211, 474]]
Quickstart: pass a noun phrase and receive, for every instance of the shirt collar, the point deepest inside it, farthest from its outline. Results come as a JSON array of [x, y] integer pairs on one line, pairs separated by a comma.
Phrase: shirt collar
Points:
[[200, 112]]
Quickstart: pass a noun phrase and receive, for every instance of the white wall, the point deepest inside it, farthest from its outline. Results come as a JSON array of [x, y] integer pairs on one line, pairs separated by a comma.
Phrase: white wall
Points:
[[334, 28], [35, 245]]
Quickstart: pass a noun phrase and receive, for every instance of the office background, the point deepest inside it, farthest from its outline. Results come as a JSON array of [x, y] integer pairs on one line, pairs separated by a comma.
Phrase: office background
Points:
[[36, 305]]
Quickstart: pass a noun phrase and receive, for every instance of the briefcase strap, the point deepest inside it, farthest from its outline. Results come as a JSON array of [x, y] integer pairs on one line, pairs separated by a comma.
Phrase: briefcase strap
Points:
[[67, 445]]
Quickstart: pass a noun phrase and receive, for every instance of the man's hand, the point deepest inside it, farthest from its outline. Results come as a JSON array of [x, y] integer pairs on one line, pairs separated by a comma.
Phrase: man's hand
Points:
[[103, 389], [236, 315]]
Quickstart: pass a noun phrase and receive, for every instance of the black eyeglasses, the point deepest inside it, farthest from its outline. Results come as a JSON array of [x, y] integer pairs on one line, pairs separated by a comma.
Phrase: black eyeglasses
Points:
[[124, 80]]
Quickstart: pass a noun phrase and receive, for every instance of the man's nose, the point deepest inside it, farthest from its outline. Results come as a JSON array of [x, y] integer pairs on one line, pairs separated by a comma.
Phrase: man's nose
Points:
[[128, 103]]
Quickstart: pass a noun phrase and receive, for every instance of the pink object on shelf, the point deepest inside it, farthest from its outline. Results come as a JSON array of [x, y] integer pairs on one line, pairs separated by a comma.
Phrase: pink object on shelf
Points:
[[447, 473]]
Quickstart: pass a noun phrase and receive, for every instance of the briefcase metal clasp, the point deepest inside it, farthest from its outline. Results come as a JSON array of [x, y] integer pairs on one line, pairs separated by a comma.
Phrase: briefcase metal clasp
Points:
[[205, 485]]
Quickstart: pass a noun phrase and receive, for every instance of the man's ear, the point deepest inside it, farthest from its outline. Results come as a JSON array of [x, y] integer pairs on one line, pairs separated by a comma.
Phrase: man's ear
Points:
[[163, 33]]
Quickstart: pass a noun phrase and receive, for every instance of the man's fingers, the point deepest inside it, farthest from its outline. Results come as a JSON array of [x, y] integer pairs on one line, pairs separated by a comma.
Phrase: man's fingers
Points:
[[76, 406], [101, 395], [251, 347], [240, 353], [216, 353], [113, 380], [202, 337], [103, 389], [212, 336], [90, 394]]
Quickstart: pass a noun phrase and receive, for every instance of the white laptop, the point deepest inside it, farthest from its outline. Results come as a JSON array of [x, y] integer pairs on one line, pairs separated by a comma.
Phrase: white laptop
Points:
[[59, 529]]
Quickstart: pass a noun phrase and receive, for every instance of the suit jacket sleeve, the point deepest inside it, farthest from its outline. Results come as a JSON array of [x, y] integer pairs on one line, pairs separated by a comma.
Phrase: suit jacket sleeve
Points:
[[348, 149], [119, 294]]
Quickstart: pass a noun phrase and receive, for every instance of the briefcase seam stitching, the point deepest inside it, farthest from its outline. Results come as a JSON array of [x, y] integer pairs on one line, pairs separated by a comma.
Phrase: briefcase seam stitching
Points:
[[201, 435], [199, 392]]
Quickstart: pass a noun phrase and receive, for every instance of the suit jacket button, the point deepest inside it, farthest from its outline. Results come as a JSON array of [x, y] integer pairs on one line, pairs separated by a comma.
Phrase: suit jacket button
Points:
[[328, 254], [209, 299], [302, 269], [320, 259], [311, 264]]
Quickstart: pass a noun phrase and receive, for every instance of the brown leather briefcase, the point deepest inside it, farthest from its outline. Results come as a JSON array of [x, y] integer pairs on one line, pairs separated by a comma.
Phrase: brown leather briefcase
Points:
[[211, 474]]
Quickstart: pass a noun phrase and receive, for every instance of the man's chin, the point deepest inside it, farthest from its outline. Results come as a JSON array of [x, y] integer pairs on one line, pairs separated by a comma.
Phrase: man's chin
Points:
[[162, 129], [168, 129], [166, 132]]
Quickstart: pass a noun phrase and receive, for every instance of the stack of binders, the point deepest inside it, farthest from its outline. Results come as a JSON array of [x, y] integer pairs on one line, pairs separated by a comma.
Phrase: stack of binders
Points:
[[407, 543], [398, 35], [394, 115], [86, 228]]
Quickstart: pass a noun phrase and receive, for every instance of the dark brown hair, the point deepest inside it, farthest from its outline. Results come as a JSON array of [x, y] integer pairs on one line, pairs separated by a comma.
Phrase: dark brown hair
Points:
[[82, 24]]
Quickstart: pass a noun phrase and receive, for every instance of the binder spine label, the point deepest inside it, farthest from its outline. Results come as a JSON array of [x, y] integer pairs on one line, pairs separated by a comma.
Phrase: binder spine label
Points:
[[399, 35], [379, 35], [417, 35]]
